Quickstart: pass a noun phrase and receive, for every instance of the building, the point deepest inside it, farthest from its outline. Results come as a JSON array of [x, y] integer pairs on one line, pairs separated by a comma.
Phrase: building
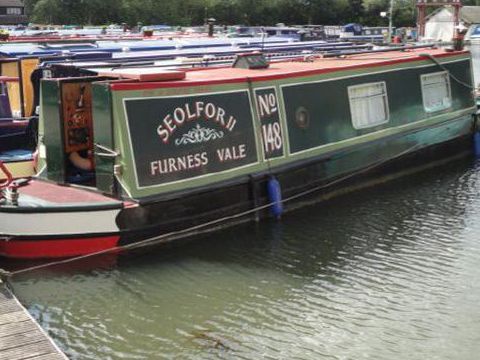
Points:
[[12, 12], [440, 23]]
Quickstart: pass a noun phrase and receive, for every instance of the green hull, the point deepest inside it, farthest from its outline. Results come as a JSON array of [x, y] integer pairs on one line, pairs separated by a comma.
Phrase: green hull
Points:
[[373, 154]]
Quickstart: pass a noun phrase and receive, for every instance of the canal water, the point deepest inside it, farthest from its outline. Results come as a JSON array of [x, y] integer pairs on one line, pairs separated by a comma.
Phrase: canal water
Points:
[[388, 272]]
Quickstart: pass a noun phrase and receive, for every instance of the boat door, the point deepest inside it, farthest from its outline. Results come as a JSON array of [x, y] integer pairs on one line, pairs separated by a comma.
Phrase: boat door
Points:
[[67, 123]]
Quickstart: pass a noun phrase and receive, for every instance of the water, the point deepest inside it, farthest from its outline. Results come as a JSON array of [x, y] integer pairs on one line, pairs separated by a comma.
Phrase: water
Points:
[[384, 273]]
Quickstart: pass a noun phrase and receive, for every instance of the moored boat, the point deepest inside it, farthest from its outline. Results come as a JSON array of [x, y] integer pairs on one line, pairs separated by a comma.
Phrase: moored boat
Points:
[[141, 154], [17, 133]]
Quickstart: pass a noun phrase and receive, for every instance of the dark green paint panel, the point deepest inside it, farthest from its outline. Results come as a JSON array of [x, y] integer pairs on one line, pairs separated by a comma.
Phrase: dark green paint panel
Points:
[[360, 157], [328, 105], [389, 148], [103, 135], [53, 130]]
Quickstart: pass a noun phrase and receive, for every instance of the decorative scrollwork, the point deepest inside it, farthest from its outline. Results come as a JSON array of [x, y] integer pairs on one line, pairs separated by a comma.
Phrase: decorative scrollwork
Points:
[[199, 135]]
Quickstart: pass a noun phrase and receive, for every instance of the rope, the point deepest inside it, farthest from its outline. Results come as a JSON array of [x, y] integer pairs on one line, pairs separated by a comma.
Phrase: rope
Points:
[[4, 275], [8, 181], [169, 236], [431, 57]]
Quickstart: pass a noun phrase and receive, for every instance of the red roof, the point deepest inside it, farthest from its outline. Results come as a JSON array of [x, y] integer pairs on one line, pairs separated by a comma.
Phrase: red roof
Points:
[[286, 69]]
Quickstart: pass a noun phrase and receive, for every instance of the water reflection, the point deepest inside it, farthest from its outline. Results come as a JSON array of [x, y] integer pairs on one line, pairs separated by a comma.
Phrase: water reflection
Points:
[[387, 272]]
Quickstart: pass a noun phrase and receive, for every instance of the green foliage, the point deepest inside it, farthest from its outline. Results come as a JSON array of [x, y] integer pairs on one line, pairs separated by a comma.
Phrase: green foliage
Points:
[[355, 11], [194, 12], [47, 11]]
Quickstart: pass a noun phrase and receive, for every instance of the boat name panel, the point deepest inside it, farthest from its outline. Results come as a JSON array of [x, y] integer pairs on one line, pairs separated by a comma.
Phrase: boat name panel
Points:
[[185, 137]]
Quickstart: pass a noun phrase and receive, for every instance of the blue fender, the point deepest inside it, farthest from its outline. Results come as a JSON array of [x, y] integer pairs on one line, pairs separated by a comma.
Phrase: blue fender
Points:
[[275, 197], [476, 143]]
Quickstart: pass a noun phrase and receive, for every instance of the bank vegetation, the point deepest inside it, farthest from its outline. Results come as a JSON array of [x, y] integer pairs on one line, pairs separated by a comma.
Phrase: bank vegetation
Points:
[[228, 12]]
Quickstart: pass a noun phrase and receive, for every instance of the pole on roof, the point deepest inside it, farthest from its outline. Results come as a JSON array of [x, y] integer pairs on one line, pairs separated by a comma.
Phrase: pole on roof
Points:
[[390, 22]]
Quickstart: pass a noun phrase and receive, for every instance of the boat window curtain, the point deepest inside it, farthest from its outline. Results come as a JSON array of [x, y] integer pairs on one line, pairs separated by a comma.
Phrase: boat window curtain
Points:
[[368, 105], [436, 91]]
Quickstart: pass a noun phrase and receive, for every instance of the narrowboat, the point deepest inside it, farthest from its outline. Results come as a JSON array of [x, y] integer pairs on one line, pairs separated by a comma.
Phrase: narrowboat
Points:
[[144, 155]]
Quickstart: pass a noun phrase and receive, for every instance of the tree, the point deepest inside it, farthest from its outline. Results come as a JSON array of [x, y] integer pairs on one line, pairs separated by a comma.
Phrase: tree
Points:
[[195, 12], [48, 11], [100, 12], [404, 13], [29, 6], [356, 10]]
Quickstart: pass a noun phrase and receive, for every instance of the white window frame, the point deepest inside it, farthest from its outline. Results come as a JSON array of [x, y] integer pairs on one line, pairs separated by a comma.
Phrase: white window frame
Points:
[[14, 11], [351, 99], [423, 78]]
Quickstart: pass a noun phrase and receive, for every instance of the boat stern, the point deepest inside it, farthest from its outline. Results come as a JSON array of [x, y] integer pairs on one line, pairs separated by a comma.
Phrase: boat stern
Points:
[[53, 221]]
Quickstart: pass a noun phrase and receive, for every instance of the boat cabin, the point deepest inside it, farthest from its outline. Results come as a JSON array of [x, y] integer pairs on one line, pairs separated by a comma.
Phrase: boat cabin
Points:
[[144, 131]]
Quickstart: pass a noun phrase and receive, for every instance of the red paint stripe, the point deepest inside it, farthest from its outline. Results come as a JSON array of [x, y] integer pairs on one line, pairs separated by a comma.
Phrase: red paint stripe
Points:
[[13, 124], [171, 84], [59, 248]]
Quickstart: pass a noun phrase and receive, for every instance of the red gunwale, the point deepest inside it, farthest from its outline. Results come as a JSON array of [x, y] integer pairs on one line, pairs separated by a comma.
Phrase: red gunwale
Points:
[[231, 76], [13, 124], [58, 194], [58, 248]]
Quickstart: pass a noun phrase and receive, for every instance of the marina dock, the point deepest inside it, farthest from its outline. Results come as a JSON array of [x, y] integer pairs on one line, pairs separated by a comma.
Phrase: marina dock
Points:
[[20, 335]]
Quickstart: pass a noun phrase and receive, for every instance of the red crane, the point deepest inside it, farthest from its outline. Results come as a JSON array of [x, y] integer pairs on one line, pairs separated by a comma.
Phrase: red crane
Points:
[[422, 7]]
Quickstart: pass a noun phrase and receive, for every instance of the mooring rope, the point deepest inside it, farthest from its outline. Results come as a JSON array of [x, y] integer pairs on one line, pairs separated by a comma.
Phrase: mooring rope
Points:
[[9, 177], [444, 68], [5, 275]]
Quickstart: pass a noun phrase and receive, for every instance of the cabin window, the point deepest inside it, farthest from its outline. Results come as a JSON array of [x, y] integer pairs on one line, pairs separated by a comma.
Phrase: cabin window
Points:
[[368, 105], [436, 91]]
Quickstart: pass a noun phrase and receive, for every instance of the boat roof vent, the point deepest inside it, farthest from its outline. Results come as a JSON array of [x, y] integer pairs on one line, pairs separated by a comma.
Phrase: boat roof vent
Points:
[[144, 74], [254, 60]]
